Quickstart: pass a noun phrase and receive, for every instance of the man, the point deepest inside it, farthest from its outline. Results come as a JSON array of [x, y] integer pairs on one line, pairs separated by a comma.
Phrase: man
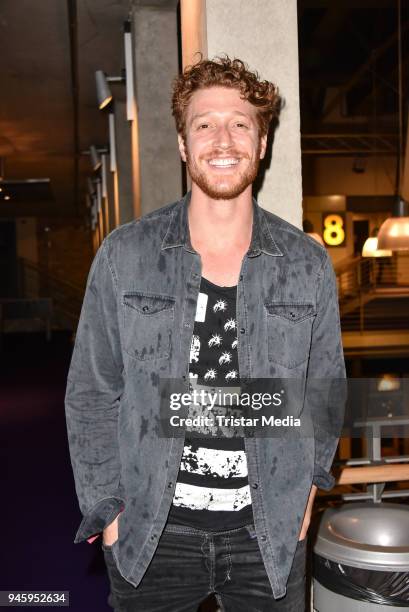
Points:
[[208, 290]]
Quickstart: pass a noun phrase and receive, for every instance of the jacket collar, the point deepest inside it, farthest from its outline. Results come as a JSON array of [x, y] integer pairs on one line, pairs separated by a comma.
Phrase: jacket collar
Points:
[[177, 233]]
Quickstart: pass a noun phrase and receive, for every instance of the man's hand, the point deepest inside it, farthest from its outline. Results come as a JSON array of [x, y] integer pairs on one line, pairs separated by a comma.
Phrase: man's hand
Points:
[[308, 511], [110, 533]]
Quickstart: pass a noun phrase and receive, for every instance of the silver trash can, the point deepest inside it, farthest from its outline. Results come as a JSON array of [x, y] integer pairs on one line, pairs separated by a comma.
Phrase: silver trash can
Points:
[[361, 559]]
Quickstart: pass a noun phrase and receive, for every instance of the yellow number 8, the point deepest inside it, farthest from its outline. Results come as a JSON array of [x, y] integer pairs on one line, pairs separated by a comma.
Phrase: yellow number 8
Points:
[[334, 234]]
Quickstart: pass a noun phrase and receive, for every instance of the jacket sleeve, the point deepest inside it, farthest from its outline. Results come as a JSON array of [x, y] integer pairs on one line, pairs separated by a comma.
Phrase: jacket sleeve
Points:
[[326, 383], [94, 387]]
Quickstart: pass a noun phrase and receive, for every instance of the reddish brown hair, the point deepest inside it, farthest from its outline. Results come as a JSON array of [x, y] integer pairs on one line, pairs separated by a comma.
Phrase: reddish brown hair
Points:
[[225, 72]]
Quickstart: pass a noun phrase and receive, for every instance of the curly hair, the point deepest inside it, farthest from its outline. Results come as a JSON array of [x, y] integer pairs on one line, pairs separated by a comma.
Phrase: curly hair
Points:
[[225, 72]]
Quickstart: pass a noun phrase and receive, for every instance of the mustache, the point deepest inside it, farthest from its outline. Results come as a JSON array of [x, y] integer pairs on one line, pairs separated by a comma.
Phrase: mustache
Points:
[[224, 153]]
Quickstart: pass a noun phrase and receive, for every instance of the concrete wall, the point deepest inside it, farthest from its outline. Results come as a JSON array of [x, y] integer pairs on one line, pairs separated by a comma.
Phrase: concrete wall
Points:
[[156, 64], [264, 34]]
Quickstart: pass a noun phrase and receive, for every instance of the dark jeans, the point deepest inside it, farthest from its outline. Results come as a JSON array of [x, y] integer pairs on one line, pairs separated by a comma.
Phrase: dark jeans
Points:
[[190, 564]]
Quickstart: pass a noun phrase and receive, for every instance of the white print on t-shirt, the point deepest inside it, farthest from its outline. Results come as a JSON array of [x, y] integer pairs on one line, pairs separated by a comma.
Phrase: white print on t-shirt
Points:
[[194, 349], [201, 307], [230, 324], [220, 305], [225, 358], [210, 374], [215, 340]]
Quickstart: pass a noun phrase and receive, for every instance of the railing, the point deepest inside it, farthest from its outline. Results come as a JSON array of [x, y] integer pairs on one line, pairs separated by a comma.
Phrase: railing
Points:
[[35, 281], [374, 293]]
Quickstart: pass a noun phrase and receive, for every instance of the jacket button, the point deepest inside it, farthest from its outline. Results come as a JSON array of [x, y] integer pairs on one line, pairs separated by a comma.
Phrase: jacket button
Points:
[[255, 485], [170, 485], [153, 537], [242, 330], [145, 308], [263, 538], [195, 275]]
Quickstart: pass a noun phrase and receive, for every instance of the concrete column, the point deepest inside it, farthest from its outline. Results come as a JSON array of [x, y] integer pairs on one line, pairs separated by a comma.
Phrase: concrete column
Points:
[[155, 40], [125, 197], [263, 33]]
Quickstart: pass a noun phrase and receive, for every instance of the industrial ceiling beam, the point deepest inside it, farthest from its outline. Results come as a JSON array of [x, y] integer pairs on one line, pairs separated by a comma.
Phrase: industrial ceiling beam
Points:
[[376, 54]]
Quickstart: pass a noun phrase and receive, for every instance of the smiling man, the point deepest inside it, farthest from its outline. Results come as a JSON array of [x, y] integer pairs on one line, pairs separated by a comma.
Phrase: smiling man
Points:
[[210, 290]]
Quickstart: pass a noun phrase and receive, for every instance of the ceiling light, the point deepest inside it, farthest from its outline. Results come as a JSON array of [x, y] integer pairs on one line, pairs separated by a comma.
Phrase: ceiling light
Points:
[[7, 197], [394, 232], [370, 249]]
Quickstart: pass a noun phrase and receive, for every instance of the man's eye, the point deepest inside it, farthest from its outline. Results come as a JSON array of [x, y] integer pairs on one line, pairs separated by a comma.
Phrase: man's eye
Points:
[[203, 125], [241, 125]]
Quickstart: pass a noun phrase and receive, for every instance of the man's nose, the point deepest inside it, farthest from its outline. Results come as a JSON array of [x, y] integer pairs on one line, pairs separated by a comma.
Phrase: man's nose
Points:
[[223, 137]]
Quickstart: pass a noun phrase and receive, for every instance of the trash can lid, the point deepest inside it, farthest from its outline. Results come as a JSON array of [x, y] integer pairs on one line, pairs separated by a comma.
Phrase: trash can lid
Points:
[[366, 535]]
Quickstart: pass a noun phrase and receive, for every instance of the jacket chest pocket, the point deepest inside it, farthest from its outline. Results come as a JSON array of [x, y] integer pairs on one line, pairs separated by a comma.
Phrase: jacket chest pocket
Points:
[[289, 332], [148, 322]]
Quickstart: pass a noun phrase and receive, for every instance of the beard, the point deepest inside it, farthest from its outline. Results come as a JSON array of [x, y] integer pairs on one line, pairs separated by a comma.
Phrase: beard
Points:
[[224, 187]]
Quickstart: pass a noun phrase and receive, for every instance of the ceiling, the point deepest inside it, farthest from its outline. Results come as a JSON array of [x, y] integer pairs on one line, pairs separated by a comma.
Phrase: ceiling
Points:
[[51, 49], [348, 54]]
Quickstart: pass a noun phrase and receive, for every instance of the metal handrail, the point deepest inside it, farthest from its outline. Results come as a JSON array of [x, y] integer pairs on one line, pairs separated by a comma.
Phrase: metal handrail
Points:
[[364, 284]]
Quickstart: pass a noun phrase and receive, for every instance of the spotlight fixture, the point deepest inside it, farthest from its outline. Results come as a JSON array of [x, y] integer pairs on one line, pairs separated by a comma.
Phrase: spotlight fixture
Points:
[[102, 80], [95, 157], [104, 94]]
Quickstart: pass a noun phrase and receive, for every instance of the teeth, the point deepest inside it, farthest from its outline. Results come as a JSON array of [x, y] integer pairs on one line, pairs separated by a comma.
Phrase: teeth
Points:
[[223, 162]]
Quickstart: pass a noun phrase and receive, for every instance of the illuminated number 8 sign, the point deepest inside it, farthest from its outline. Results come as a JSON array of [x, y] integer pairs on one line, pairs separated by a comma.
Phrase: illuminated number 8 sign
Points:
[[334, 233]]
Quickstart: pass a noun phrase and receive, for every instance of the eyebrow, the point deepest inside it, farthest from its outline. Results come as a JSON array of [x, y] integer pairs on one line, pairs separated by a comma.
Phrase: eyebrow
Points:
[[200, 115]]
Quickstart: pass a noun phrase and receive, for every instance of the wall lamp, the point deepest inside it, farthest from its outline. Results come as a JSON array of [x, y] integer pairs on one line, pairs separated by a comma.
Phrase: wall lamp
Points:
[[95, 154], [102, 80], [104, 93]]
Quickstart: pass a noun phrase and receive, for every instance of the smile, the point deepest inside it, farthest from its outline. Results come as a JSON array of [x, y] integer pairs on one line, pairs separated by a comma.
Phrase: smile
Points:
[[224, 162]]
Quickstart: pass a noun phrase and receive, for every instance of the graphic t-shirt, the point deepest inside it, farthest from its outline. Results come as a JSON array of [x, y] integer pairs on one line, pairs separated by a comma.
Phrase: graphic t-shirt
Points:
[[212, 490]]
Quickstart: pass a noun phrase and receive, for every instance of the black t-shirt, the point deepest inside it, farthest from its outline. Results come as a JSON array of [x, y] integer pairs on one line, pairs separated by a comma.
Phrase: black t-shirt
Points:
[[212, 490]]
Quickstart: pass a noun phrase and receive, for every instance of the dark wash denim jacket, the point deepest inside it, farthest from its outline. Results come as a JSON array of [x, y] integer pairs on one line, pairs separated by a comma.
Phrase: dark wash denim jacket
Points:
[[136, 325]]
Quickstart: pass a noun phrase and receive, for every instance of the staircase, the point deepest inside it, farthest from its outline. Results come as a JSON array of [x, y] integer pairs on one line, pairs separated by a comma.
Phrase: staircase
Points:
[[374, 293]]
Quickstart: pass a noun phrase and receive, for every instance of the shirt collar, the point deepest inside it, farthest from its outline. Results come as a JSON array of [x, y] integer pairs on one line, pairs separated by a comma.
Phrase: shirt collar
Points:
[[177, 233]]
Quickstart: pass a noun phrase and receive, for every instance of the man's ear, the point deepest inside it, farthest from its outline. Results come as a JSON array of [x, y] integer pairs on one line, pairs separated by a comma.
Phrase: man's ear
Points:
[[263, 148], [182, 147]]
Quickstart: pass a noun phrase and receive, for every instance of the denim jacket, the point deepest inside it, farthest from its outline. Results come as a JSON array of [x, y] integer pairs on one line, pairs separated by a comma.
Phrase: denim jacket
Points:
[[136, 326]]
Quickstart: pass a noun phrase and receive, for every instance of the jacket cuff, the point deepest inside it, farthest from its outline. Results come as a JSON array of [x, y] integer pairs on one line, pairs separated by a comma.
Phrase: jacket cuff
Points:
[[101, 515], [323, 479]]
